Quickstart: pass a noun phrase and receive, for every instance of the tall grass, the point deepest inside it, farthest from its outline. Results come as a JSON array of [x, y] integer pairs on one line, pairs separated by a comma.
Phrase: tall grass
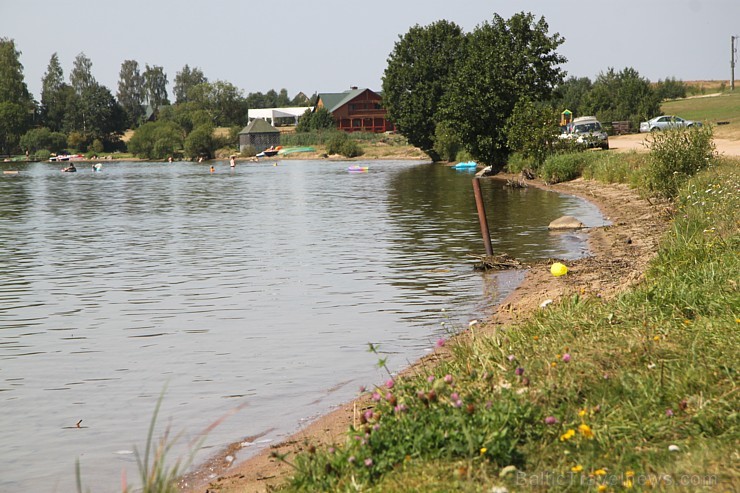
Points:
[[638, 392]]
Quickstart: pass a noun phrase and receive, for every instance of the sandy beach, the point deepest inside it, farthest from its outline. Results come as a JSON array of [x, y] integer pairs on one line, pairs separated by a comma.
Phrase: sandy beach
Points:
[[620, 254]]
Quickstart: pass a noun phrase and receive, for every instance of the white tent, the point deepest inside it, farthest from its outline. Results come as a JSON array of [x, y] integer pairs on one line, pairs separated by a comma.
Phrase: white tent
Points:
[[269, 114]]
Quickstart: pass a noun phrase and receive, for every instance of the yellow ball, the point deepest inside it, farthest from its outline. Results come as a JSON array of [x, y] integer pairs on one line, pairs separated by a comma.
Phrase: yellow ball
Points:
[[558, 269]]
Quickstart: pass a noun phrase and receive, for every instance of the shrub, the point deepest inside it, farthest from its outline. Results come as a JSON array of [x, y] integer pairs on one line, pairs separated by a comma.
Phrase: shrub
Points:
[[76, 140], [156, 140], [518, 162], [42, 155], [350, 148], [446, 144], [675, 156], [562, 167], [335, 143], [200, 142], [96, 146], [249, 151], [42, 138]]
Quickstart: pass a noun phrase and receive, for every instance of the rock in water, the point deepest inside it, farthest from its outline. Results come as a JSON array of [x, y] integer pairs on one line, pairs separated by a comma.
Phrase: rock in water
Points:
[[566, 222]]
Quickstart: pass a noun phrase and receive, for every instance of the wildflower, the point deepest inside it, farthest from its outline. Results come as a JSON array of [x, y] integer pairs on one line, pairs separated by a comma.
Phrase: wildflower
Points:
[[656, 338], [602, 487], [567, 435], [577, 468], [368, 414], [331, 450], [536, 338], [430, 378], [630, 474], [368, 462], [448, 378], [566, 357], [554, 364], [551, 420], [599, 472], [401, 408], [669, 413], [582, 413], [627, 484], [483, 450], [511, 357], [458, 403], [441, 342], [519, 371], [351, 459], [376, 396], [586, 431], [454, 396], [390, 383]]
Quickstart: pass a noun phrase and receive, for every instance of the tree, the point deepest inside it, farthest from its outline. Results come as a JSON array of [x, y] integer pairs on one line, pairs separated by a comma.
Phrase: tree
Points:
[[81, 77], [570, 94], [185, 80], [418, 73], [505, 61], [52, 96], [624, 95], [200, 142], [532, 129], [670, 89], [42, 138], [16, 103], [156, 140], [319, 119], [131, 93], [155, 85], [106, 119]]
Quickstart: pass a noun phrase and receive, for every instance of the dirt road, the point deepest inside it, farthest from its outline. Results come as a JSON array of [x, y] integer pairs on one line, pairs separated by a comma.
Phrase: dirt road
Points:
[[636, 142]]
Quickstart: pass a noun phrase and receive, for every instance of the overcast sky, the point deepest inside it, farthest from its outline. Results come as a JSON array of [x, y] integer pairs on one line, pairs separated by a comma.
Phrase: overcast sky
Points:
[[330, 45]]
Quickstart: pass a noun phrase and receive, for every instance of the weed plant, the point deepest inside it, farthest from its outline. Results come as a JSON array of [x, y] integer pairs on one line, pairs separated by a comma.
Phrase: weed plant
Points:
[[630, 394]]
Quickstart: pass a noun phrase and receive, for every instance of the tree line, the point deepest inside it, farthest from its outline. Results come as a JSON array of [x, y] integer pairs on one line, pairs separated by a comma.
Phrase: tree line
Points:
[[83, 115], [488, 92]]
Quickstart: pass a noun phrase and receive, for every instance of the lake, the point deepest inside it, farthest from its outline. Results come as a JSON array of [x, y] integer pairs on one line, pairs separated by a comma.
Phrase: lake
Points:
[[258, 287]]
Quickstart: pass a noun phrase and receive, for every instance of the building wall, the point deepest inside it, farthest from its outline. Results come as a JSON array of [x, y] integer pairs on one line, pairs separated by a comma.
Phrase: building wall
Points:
[[260, 141], [362, 114]]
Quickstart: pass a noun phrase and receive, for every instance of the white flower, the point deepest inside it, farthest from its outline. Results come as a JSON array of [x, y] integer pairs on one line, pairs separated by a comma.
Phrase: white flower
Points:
[[673, 448]]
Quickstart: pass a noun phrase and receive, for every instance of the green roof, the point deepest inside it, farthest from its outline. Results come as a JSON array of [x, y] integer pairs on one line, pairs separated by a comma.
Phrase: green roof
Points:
[[334, 100], [259, 126]]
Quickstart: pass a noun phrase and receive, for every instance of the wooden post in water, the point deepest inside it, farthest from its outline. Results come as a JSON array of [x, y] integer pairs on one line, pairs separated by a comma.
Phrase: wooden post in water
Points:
[[482, 216]]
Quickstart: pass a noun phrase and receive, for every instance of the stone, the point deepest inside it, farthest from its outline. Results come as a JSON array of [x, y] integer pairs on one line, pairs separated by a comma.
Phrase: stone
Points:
[[566, 222]]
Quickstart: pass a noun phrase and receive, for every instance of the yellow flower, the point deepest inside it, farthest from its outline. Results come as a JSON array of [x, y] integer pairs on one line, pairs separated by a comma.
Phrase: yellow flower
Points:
[[554, 364], [602, 487], [630, 474], [483, 450], [586, 431], [600, 472], [577, 468], [567, 435], [582, 412], [627, 484], [656, 338]]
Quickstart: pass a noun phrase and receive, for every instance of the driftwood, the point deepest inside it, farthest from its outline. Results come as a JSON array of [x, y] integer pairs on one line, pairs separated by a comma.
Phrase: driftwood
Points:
[[498, 262]]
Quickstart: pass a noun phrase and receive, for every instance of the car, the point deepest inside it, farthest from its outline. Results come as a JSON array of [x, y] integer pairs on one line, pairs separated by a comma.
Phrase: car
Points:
[[586, 130], [664, 122]]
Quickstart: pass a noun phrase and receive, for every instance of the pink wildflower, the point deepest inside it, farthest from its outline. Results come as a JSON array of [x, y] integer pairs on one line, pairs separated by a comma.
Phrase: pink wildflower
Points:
[[551, 420], [566, 357]]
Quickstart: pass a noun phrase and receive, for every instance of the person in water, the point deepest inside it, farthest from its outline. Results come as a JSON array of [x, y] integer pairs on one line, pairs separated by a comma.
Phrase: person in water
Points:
[[70, 169], [233, 162]]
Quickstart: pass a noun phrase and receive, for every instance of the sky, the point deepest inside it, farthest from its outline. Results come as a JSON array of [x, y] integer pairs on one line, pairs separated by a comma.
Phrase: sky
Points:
[[329, 45]]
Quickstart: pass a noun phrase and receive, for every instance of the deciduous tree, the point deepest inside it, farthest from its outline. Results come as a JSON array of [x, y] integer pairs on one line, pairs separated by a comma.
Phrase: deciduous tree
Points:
[[16, 103], [505, 61], [155, 84], [131, 93], [419, 71], [185, 80], [52, 95]]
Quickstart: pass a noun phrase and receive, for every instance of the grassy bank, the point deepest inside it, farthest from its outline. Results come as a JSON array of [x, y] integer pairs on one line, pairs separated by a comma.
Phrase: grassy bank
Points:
[[635, 393]]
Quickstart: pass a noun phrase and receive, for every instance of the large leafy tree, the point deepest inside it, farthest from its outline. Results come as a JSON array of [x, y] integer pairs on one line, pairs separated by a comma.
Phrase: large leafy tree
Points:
[[106, 119], [419, 70], [505, 61], [222, 100], [52, 95], [131, 92], [622, 96], [155, 84], [16, 103], [185, 80]]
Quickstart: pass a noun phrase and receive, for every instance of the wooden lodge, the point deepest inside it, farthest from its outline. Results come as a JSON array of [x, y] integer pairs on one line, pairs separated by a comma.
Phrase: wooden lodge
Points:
[[356, 110]]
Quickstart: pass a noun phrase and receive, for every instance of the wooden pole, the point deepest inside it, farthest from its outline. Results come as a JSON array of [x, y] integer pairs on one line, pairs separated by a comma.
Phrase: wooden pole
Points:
[[482, 216]]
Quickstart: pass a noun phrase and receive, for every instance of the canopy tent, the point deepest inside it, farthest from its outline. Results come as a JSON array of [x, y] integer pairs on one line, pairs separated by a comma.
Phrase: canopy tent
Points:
[[269, 114]]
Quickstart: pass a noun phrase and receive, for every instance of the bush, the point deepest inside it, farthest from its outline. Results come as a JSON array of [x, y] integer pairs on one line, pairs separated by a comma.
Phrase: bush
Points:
[[42, 155], [156, 140], [351, 148], [446, 144], [249, 151], [96, 146], [563, 167], [200, 142], [675, 156], [518, 162], [42, 138], [335, 143]]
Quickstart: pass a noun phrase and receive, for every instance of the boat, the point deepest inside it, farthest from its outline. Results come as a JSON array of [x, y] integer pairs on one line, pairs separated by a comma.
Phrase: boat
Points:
[[270, 151], [66, 157], [465, 165]]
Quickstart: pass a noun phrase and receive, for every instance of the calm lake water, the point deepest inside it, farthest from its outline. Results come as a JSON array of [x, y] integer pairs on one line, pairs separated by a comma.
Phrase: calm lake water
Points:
[[257, 287]]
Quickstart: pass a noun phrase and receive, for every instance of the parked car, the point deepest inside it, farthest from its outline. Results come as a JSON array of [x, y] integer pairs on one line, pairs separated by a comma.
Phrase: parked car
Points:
[[586, 130], [666, 121]]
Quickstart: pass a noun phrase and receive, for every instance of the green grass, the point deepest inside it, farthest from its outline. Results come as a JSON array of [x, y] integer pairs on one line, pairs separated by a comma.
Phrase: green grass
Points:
[[635, 393]]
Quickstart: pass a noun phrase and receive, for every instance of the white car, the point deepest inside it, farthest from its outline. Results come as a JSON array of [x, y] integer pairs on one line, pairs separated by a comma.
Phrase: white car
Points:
[[586, 130], [666, 121]]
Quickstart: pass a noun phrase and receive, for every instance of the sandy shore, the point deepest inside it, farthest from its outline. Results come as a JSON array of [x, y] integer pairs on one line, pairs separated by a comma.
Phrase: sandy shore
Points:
[[620, 255]]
